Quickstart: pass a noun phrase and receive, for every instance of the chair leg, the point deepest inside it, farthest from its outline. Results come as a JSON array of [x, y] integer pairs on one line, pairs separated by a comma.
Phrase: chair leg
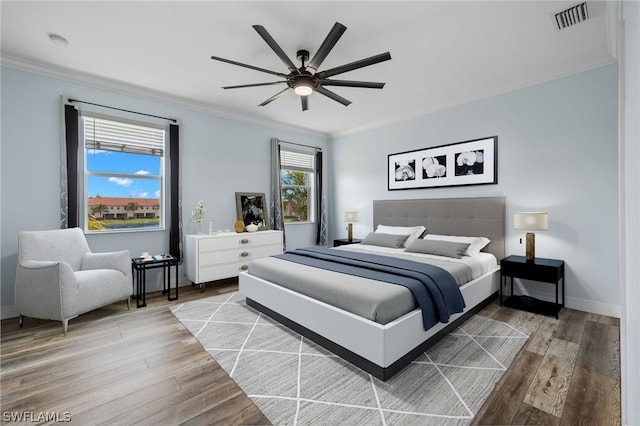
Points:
[[128, 304], [21, 319], [65, 325]]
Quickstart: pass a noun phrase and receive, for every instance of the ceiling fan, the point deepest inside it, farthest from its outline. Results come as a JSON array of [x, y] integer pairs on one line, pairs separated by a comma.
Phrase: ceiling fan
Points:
[[307, 79]]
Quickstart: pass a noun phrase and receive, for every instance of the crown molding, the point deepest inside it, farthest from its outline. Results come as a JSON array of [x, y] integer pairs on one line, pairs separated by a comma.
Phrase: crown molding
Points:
[[76, 77], [588, 66]]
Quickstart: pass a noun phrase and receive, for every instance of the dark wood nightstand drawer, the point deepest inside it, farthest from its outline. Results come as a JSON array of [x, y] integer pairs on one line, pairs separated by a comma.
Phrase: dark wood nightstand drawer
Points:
[[535, 271]]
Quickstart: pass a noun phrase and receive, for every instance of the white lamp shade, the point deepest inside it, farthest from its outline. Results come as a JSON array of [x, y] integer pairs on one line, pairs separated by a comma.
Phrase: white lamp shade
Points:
[[350, 216], [531, 221]]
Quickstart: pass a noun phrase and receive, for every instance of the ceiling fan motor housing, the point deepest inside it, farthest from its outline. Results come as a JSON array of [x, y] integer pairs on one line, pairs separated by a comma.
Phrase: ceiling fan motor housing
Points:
[[304, 79]]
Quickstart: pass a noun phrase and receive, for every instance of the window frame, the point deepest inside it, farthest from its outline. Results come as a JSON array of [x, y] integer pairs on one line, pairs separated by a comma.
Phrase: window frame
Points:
[[84, 210], [311, 181]]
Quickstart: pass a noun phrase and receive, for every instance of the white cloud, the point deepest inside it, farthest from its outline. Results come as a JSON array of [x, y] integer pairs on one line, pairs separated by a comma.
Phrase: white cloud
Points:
[[143, 172], [120, 181], [94, 151], [143, 194]]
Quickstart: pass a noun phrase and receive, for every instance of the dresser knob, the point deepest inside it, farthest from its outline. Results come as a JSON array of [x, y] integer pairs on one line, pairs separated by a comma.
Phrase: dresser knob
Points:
[[244, 241], [244, 254], [244, 267]]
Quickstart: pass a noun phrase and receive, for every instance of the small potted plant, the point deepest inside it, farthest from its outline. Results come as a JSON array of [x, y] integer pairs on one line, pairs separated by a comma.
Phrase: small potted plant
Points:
[[198, 214]]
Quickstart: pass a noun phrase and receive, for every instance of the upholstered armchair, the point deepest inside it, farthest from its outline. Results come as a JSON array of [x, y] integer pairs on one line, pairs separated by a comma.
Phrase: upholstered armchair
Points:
[[59, 278]]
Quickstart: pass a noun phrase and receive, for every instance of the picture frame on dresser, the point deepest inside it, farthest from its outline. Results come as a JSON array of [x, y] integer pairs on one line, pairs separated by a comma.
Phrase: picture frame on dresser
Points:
[[251, 207]]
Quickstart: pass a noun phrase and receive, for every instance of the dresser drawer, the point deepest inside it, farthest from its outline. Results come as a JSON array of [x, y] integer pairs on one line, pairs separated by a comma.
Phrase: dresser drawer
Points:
[[236, 255], [239, 241], [211, 258], [219, 272], [218, 243], [264, 251], [263, 238]]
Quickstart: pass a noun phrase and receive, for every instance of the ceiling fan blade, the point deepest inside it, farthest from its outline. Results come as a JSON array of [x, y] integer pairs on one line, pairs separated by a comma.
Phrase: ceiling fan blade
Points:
[[326, 46], [328, 93], [305, 102], [350, 83], [240, 64], [354, 65], [276, 96], [254, 85], [275, 47]]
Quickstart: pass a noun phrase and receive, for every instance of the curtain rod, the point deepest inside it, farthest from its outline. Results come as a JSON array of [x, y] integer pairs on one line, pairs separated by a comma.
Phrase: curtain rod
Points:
[[124, 110], [299, 144]]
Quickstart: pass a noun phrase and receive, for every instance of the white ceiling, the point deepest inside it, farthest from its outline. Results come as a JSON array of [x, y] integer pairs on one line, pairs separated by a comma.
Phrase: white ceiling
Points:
[[443, 53]]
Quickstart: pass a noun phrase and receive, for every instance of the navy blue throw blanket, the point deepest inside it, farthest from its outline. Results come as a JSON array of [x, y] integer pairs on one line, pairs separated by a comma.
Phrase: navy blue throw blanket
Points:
[[435, 289]]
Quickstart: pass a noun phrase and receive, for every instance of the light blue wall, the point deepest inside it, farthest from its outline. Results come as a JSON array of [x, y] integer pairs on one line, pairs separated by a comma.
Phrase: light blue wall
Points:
[[557, 152], [219, 157]]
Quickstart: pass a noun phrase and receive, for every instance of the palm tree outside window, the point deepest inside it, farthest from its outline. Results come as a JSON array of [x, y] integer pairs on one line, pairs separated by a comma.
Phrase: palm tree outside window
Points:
[[297, 186]]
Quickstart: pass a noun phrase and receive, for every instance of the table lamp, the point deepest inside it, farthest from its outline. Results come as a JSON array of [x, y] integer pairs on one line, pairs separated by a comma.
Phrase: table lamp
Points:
[[349, 217], [531, 221]]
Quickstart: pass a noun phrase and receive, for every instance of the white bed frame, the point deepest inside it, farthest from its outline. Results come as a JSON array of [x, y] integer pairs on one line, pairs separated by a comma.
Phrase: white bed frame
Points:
[[383, 350]]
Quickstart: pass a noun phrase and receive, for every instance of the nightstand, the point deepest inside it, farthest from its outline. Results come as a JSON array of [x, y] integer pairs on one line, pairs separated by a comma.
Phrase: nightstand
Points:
[[544, 270], [345, 242]]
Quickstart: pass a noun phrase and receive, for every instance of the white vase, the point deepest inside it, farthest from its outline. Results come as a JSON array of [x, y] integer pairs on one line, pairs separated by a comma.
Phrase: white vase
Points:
[[252, 227]]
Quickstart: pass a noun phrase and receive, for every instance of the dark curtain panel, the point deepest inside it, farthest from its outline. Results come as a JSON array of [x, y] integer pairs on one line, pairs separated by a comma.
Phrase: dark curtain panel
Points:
[[321, 214], [69, 194], [277, 217], [175, 234]]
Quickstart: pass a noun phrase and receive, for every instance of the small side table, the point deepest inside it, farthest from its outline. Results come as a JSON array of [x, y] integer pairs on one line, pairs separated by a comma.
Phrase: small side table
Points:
[[139, 268], [345, 242], [540, 269]]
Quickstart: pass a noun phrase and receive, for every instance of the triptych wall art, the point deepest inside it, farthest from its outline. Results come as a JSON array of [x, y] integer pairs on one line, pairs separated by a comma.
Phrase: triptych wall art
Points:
[[473, 162]]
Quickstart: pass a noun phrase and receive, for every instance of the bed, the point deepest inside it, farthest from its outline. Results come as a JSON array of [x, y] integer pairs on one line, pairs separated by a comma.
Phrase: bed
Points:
[[383, 349]]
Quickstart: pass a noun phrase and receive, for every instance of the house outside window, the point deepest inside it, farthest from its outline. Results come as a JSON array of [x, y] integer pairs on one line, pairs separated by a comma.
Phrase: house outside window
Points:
[[123, 175], [297, 181]]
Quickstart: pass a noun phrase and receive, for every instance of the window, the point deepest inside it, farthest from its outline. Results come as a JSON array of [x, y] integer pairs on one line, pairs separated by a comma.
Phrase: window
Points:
[[297, 181], [123, 175]]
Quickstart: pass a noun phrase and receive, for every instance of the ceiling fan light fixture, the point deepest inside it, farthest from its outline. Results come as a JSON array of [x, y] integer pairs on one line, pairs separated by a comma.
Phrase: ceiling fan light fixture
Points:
[[303, 90]]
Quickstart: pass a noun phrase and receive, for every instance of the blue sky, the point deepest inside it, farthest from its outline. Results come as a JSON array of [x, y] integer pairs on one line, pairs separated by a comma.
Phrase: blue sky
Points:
[[116, 185]]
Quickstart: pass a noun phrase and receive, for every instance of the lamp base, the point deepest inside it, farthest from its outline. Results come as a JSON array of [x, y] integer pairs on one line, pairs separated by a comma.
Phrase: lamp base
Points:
[[350, 232], [531, 247]]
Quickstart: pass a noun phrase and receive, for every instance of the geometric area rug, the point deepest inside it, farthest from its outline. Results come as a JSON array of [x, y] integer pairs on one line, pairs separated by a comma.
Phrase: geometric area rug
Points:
[[293, 381]]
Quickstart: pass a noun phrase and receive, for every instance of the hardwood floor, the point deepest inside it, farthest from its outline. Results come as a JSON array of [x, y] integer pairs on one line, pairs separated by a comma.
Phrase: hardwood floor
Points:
[[142, 366], [119, 367], [568, 373]]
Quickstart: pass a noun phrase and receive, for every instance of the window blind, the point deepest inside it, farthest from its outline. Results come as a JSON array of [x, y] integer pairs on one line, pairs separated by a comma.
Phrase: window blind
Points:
[[299, 161], [108, 135]]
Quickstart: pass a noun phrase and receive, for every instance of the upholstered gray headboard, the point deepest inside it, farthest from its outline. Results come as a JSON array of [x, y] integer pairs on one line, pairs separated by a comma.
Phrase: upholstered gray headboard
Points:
[[474, 217]]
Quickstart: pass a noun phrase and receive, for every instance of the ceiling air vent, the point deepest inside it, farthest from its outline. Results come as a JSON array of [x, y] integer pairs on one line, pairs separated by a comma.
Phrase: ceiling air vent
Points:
[[572, 16]]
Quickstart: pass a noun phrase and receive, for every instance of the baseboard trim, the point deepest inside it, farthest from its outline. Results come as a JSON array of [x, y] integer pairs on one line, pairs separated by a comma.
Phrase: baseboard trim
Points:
[[576, 303], [7, 312]]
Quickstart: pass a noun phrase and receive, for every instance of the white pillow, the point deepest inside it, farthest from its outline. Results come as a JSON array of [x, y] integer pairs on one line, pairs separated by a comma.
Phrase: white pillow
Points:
[[475, 243], [413, 232]]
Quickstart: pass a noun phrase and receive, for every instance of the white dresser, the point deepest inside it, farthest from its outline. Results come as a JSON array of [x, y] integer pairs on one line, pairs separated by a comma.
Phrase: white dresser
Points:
[[214, 257]]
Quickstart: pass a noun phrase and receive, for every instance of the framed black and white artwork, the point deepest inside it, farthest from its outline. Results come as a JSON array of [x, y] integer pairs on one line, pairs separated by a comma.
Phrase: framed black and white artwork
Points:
[[473, 162], [251, 208]]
